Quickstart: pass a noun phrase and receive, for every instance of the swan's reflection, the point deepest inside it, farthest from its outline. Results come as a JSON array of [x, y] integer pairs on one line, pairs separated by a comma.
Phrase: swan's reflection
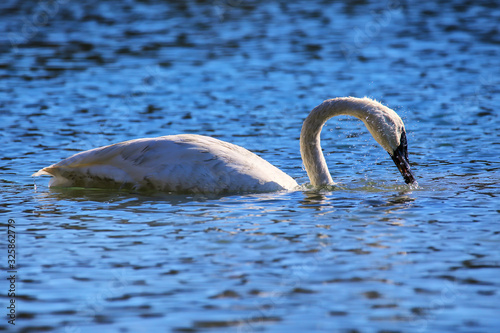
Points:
[[313, 199], [346, 199]]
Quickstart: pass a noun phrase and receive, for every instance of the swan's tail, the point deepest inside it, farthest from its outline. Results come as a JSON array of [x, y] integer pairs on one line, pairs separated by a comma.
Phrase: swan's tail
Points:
[[43, 172], [57, 178]]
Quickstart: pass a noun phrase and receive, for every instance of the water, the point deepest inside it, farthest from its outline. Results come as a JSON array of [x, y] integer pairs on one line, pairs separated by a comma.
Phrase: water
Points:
[[371, 255]]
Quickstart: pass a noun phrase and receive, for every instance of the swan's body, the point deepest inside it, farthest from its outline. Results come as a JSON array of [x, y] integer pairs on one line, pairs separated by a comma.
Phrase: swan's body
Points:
[[175, 163], [200, 164]]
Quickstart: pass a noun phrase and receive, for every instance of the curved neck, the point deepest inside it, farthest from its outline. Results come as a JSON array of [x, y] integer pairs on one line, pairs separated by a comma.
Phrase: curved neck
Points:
[[310, 146]]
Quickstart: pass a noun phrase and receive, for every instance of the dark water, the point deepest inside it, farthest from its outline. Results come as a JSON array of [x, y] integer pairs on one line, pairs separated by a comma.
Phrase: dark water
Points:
[[372, 255]]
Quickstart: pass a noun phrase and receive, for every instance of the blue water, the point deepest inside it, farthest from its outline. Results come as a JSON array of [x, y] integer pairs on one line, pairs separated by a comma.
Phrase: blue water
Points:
[[371, 255]]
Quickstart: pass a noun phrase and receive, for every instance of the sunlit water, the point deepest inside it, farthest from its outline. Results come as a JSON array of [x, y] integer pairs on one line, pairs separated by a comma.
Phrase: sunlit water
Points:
[[369, 255]]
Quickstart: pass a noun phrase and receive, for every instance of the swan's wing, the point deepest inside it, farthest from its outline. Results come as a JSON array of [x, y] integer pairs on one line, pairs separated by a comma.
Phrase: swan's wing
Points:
[[180, 163], [119, 163]]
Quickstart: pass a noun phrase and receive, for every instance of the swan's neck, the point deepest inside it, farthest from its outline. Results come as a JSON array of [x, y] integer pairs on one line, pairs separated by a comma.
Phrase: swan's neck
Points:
[[310, 146]]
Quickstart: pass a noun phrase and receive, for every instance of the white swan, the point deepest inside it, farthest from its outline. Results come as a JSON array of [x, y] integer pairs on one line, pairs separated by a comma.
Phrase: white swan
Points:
[[199, 164]]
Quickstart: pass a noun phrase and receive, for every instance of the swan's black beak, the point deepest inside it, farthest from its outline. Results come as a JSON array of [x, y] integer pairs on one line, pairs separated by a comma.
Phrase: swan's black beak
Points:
[[400, 158]]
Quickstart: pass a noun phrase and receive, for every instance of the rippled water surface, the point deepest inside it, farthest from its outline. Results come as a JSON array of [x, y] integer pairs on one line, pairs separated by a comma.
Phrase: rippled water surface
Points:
[[369, 255]]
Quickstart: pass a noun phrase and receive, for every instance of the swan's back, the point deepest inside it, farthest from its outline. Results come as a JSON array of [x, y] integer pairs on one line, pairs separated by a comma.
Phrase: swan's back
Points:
[[178, 163]]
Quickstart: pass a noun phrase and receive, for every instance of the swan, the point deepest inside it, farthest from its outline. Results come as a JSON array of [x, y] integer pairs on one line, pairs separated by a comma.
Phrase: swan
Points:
[[190, 163]]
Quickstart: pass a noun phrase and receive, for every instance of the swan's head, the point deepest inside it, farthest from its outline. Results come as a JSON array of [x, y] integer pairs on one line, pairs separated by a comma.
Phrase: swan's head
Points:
[[389, 131]]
